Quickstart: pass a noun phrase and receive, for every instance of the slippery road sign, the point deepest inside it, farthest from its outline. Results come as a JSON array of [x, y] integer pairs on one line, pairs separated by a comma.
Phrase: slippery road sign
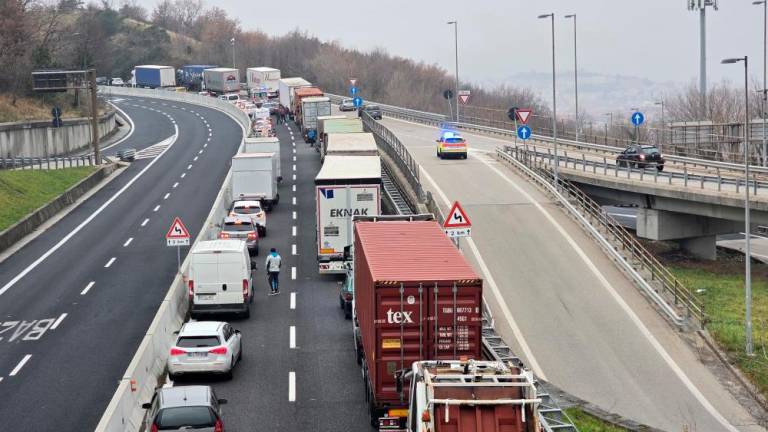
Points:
[[177, 234]]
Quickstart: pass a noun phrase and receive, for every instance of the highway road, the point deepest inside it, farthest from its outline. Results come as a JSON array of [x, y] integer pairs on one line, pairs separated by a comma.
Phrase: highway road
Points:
[[75, 301], [561, 303], [327, 394]]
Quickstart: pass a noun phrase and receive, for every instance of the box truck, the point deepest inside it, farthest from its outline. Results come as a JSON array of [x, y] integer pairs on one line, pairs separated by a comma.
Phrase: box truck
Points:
[[416, 298], [191, 76], [222, 80], [339, 126], [286, 88], [298, 95], [264, 145], [346, 186], [311, 108], [350, 144], [154, 76], [254, 177], [263, 80]]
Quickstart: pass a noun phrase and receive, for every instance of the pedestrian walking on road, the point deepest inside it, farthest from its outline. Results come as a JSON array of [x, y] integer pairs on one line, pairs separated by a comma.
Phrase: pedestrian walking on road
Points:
[[273, 264], [281, 114]]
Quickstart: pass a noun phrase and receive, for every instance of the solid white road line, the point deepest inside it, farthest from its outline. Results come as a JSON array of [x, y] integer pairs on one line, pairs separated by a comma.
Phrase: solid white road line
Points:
[[157, 207], [145, 222], [294, 215], [166, 196], [294, 200], [293, 273], [293, 231], [183, 175], [127, 242], [58, 321], [612, 291], [293, 300], [109, 263], [291, 386], [175, 185], [87, 288], [293, 249], [88, 220], [20, 365], [292, 338]]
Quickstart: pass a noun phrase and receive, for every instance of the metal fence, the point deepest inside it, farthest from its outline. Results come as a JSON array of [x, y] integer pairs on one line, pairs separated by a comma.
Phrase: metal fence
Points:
[[655, 280], [47, 163]]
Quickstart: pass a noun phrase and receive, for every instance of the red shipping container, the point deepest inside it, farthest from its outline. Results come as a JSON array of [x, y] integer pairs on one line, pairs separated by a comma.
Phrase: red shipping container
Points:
[[416, 298]]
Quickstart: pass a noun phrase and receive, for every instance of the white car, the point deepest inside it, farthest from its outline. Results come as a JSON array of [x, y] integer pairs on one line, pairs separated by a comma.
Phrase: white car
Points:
[[230, 97], [205, 347], [254, 210], [118, 82]]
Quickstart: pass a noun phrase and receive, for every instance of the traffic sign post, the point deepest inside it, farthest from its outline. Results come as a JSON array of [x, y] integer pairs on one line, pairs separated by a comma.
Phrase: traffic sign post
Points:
[[637, 119], [523, 114], [464, 96], [524, 132], [457, 224], [353, 91], [177, 235], [357, 101], [353, 82]]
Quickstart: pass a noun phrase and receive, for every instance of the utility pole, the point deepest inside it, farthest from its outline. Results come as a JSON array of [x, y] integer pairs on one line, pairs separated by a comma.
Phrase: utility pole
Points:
[[764, 3], [701, 5], [575, 73], [94, 116], [554, 99], [456, 46]]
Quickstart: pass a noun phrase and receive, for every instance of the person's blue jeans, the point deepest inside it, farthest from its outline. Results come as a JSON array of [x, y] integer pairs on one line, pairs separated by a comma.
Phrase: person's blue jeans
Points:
[[274, 283]]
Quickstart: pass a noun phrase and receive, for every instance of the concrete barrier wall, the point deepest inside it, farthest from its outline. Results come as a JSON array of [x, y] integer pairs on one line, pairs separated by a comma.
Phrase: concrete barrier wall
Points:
[[39, 139], [124, 412], [25, 226]]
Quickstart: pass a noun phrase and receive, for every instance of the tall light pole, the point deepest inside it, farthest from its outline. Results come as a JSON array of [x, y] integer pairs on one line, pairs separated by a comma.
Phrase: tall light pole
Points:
[[456, 44], [701, 5], [663, 122], [554, 98], [575, 73], [747, 229], [233, 52], [765, 92]]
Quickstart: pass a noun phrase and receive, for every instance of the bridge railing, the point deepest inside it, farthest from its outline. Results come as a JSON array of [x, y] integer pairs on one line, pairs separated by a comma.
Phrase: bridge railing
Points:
[[656, 281]]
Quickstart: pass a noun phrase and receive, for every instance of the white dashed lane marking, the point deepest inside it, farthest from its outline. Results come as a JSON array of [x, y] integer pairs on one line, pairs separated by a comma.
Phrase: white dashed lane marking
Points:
[[127, 242], [110, 262], [166, 196], [58, 321], [87, 288], [146, 221], [28, 356], [293, 300]]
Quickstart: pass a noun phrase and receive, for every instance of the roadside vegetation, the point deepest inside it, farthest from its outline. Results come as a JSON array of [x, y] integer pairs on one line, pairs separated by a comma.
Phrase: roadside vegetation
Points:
[[587, 423], [22, 192], [39, 108], [721, 285]]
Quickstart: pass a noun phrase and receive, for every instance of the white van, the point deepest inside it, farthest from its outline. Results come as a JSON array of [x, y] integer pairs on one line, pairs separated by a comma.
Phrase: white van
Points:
[[219, 278]]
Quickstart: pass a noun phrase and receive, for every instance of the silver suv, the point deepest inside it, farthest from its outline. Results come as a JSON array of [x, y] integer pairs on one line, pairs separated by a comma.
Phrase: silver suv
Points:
[[184, 408], [241, 228]]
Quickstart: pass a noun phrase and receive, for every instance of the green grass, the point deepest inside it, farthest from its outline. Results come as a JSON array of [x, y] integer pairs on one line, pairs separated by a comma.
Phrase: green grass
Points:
[[722, 289], [587, 423], [22, 192]]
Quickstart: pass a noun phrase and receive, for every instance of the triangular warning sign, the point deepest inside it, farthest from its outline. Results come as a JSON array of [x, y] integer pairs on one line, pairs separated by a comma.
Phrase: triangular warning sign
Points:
[[457, 218], [464, 99], [177, 230], [523, 115], [353, 81]]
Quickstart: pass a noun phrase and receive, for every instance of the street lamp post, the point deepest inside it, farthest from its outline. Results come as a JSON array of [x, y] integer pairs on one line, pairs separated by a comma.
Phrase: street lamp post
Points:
[[554, 98], [610, 115], [575, 74], [456, 46], [747, 230], [765, 95], [663, 123], [233, 52]]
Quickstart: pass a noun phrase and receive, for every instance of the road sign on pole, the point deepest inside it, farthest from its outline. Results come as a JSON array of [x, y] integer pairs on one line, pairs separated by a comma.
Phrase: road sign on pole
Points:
[[523, 114], [358, 101], [457, 224], [353, 90], [464, 96], [524, 132], [353, 82], [177, 234], [637, 118]]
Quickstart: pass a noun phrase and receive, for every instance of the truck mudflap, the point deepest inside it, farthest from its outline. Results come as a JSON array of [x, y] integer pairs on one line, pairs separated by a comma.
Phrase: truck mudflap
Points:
[[331, 267]]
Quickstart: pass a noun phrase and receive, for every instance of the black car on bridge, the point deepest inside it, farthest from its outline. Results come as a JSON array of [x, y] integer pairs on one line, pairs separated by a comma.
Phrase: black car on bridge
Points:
[[641, 156]]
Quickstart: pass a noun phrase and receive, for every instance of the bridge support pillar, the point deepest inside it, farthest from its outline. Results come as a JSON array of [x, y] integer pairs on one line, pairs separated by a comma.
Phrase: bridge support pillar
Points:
[[696, 234]]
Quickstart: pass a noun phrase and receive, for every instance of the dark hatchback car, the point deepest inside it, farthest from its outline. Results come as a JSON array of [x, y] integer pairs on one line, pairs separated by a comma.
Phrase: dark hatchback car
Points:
[[184, 408], [641, 156], [373, 110]]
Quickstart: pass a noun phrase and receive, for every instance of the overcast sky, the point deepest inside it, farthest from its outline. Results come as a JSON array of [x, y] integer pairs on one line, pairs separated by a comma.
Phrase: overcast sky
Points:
[[655, 39]]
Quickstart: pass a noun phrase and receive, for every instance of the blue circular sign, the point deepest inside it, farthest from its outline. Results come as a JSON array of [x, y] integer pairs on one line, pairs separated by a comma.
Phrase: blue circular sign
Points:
[[311, 134], [524, 132], [358, 101], [637, 118], [353, 90]]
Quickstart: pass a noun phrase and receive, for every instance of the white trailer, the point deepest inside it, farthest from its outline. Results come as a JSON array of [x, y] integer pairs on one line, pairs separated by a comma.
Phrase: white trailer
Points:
[[222, 80], [263, 78], [287, 87], [311, 109], [350, 144], [254, 176], [346, 186], [264, 145]]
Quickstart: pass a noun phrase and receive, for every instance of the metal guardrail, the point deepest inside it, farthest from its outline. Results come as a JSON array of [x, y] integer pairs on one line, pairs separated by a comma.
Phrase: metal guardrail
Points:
[[659, 284], [46, 163], [435, 119]]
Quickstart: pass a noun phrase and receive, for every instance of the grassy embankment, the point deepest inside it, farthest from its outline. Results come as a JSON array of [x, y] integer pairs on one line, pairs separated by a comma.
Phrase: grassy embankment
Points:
[[39, 108], [21, 192], [586, 423]]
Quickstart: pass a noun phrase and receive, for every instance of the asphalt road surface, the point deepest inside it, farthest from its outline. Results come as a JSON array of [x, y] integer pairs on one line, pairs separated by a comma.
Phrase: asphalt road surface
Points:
[[561, 303], [327, 392], [75, 302]]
